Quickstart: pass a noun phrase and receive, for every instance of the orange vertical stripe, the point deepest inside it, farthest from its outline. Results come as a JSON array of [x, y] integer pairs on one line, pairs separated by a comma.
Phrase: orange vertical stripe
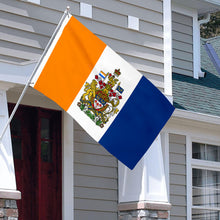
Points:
[[70, 63]]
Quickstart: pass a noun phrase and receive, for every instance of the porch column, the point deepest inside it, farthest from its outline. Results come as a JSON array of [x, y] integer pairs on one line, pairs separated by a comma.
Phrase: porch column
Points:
[[143, 191], [8, 192]]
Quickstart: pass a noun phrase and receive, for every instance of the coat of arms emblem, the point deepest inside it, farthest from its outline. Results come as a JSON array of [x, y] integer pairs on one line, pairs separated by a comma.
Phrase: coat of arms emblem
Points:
[[101, 97]]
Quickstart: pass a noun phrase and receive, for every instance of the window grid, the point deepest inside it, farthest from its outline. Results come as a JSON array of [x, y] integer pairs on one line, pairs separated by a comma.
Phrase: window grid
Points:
[[205, 181]]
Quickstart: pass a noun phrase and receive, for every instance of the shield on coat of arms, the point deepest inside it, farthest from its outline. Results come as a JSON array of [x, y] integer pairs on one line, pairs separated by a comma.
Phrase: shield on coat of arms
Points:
[[100, 100]]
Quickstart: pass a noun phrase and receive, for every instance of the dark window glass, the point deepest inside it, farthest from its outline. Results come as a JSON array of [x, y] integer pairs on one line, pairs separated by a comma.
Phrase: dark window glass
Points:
[[45, 128], [16, 147], [46, 141], [206, 152], [16, 138], [46, 151]]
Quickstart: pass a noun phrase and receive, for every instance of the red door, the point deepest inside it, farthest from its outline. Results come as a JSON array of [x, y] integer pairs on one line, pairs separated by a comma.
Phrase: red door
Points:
[[36, 142]]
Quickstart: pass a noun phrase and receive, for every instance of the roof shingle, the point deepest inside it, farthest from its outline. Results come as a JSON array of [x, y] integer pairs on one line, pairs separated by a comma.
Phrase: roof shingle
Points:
[[199, 95]]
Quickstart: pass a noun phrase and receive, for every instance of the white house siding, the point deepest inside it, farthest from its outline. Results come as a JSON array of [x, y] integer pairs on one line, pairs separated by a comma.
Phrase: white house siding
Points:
[[182, 33], [24, 33], [177, 157]]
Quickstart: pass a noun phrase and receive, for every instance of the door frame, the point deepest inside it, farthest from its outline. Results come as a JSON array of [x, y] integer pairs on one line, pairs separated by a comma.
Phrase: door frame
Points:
[[67, 149], [67, 167]]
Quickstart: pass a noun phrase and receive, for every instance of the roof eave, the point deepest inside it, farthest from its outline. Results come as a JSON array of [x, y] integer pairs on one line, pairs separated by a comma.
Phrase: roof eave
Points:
[[202, 6]]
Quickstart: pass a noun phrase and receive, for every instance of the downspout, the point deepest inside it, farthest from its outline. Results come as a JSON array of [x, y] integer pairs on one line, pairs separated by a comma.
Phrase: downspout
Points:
[[205, 20]]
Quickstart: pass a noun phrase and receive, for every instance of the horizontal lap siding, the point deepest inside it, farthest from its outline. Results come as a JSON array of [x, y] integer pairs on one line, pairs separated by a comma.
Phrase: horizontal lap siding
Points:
[[177, 157], [25, 30], [182, 33], [95, 179]]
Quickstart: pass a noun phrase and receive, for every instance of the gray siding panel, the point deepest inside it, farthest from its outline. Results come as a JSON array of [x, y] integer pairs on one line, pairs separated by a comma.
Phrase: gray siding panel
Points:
[[143, 10], [150, 4], [182, 33], [90, 215], [177, 157], [32, 25], [95, 205], [95, 179]]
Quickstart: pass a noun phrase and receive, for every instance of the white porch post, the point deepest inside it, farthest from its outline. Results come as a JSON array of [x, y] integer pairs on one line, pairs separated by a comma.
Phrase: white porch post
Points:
[[146, 182], [67, 166], [8, 192], [143, 190], [7, 181]]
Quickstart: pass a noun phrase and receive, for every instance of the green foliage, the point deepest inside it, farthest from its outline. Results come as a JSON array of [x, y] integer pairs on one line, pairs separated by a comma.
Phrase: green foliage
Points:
[[212, 28]]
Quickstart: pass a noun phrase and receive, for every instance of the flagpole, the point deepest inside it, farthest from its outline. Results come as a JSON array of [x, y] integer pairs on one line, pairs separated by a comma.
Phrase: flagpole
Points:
[[66, 13]]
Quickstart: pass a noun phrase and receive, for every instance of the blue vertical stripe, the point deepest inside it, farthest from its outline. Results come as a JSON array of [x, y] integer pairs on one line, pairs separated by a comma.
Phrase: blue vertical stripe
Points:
[[137, 124]]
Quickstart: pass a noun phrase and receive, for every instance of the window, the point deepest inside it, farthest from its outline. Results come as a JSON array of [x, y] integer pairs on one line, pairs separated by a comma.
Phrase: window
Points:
[[205, 181], [46, 140]]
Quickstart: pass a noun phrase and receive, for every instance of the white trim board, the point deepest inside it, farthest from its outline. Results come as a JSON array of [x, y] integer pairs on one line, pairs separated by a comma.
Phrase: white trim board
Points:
[[195, 116], [16, 73], [67, 167], [167, 24]]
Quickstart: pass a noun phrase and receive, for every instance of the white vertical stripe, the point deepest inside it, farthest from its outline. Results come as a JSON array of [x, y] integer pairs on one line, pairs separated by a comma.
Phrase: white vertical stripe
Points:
[[129, 78]]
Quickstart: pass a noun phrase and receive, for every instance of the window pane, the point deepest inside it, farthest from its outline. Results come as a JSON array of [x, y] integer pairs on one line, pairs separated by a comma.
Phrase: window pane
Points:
[[213, 153], [206, 190], [199, 185], [206, 152], [199, 214], [198, 151], [17, 149], [199, 177], [15, 127], [46, 151], [45, 128]]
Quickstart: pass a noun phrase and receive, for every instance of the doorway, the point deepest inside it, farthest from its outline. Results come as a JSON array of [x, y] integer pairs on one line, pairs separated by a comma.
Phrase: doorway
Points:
[[36, 143]]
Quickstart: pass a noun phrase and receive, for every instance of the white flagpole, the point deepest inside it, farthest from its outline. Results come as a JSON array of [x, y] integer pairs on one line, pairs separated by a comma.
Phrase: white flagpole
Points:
[[66, 13]]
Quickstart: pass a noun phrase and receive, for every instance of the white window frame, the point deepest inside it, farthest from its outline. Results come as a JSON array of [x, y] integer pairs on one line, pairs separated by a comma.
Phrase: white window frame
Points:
[[196, 127], [199, 164]]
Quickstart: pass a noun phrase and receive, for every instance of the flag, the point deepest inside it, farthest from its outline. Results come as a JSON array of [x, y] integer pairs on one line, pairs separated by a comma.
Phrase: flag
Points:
[[115, 104]]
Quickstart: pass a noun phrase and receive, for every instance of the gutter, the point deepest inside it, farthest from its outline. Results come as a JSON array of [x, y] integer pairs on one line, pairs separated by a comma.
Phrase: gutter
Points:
[[195, 116]]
